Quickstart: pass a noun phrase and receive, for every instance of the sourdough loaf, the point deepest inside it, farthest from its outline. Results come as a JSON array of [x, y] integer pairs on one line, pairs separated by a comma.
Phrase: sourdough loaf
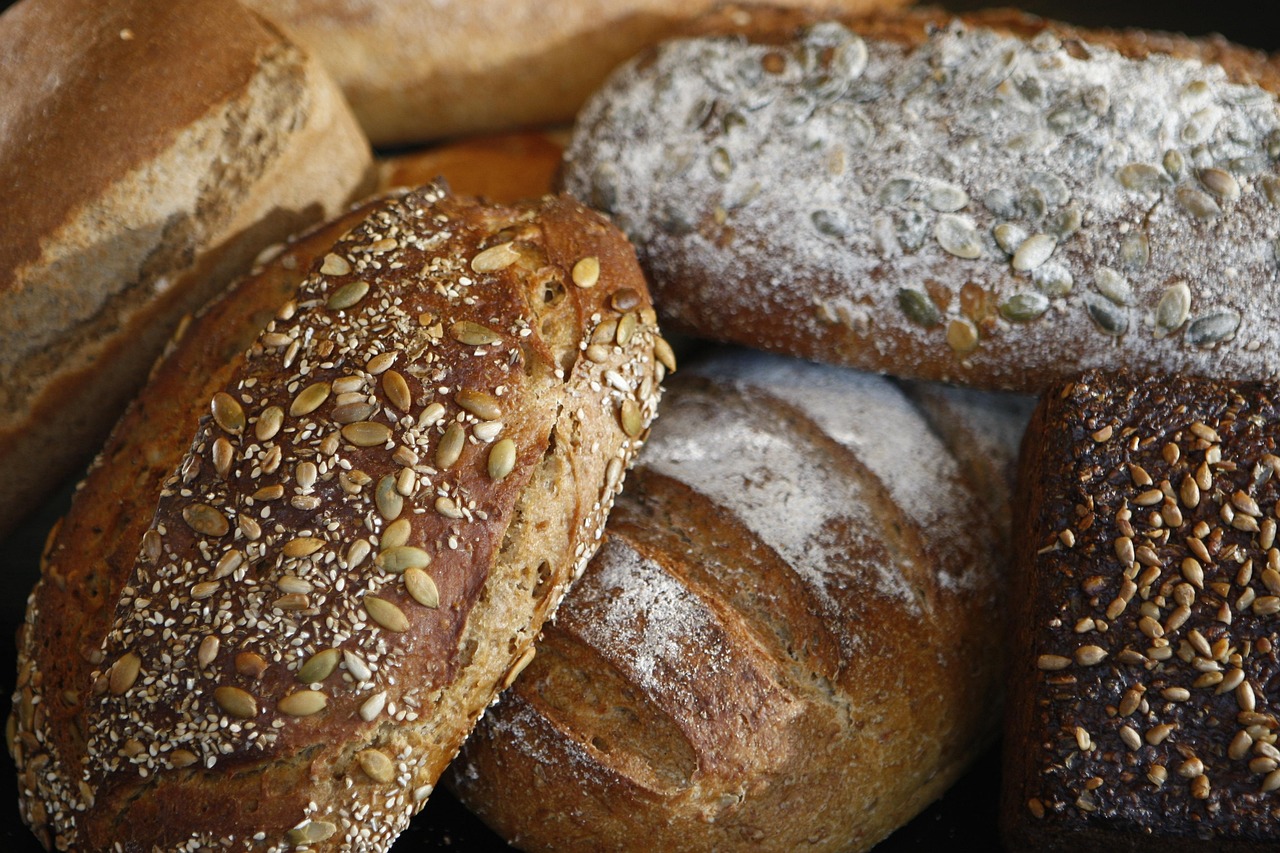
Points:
[[148, 151], [996, 200], [1143, 678], [417, 70], [789, 639], [387, 489]]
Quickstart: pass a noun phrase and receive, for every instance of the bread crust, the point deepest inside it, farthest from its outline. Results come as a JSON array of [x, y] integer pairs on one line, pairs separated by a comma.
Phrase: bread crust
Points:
[[211, 136], [993, 200], [503, 167], [1142, 698], [785, 642], [417, 71], [317, 537]]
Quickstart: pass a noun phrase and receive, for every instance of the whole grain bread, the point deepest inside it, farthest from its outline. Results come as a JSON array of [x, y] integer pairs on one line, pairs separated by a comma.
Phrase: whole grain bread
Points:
[[314, 549], [418, 70], [148, 151], [790, 638], [501, 167], [1143, 675], [994, 200]]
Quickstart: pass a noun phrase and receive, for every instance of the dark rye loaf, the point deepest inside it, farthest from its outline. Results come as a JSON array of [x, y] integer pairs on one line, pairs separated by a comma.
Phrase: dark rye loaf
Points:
[[295, 577]]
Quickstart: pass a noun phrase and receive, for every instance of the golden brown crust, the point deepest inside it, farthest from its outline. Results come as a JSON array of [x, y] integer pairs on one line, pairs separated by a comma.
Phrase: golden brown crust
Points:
[[502, 168], [211, 137], [991, 200], [416, 72], [790, 607], [269, 551]]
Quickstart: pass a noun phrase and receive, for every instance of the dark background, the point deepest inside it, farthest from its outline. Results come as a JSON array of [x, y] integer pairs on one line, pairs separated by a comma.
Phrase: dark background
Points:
[[967, 814]]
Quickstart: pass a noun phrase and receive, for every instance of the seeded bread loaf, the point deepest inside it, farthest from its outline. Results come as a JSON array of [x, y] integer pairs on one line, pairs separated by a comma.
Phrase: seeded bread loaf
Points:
[[148, 151], [996, 201], [305, 612], [1143, 682], [418, 70], [790, 638]]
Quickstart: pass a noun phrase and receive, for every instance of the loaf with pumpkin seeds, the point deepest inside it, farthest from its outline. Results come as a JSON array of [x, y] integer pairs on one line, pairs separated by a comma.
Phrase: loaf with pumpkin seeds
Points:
[[315, 549], [1143, 707], [992, 200]]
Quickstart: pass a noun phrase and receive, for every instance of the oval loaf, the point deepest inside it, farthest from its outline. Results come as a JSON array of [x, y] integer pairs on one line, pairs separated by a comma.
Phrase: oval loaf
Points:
[[787, 639], [148, 152], [996, 201], [303, 608]]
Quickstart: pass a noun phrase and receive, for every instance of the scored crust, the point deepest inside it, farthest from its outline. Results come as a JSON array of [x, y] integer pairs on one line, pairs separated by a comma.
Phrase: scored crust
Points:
[[384, 499], [992, 200]]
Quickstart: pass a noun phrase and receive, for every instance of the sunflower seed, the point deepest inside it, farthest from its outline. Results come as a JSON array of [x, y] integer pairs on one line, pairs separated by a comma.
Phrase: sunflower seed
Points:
[[372, 707], [335, 265], [962, 335], [1065, 222], [1270, 186], [206, 520], [1051, 187], [302, 546]]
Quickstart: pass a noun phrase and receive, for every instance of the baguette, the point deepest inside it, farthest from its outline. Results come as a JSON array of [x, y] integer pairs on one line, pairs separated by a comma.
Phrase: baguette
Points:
[[388, 490], [1142, 707], [416, 70], [995, 200], [789, 639], [148, 151]]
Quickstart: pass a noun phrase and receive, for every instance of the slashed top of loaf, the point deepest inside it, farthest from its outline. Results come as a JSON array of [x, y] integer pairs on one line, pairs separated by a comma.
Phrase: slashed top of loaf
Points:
[[945, 194]]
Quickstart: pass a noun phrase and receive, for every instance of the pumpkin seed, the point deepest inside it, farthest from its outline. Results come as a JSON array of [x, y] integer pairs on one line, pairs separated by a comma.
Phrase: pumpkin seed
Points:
[[1051, 187], [962, 335], [1033, 252], [302, 546], [269, 423], [495, 258], [947, 198], [227, 413], [402, 557], [1135, 250], [421, 587], [319, 666], [473, 334], [1065, 222], [1053, 280], [206, 520], [1009, 236], [958, 236], [1025, 306], [1199, 204], [396, 534], [1173, 309], [303, 703], [236, 702], [1113, 285], [502, 458], [896, 191], [388, 499], [1142, 177], [397, 390], [124, 673], [1213, 327], [1174, 164], [386, 614], [1109, 318], [831, 223], [348, 295], [367, 433], [1270, 186], [482, 405], [376, 765], [586, 272], [1221, 183], [1002, 203], [451, 443], [919, 308], [309, 399]]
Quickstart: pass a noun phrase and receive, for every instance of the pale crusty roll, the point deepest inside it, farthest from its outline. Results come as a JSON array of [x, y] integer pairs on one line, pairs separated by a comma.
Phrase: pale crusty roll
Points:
[[994, 200], [791, 638], [148, 151], [303, 609], [418, 70]]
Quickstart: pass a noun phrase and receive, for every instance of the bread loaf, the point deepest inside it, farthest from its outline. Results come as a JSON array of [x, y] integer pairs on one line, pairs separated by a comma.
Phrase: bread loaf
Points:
[[1143, 672], [996, 201], [416, 70], [148, 151], [504, 167], [788, 640], [383, 497]]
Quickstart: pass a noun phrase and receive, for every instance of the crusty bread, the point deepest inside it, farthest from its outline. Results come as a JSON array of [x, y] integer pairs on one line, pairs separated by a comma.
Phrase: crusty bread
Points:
[[996, 200], [1144, 675], [417, 70], [789, 639], [148, 151], [384, 498], [504, 167]]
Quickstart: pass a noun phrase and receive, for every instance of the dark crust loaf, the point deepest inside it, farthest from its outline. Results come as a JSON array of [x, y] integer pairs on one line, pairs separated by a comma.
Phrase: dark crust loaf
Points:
[[1141, 712], [993, 200], [306, 613], [786, 641]]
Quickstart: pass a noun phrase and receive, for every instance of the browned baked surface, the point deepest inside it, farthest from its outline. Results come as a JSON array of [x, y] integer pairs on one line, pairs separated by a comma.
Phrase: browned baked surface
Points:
[[1144, 662], [148, 151], [993, 200], [786, 642], [416, 70], [305, 613], [501, 167]]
